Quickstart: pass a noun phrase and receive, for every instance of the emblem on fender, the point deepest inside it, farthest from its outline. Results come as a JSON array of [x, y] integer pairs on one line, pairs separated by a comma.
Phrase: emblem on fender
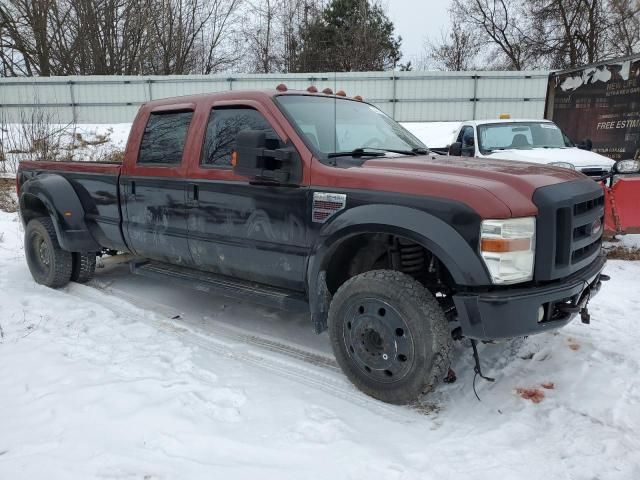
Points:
[[326, 204]]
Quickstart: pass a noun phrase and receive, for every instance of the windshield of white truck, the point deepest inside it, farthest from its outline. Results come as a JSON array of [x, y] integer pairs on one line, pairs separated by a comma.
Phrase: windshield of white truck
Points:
[[520, 136], [335, 127]]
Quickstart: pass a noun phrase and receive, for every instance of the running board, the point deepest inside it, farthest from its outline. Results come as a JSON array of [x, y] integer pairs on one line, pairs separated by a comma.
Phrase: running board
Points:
[[226, 286]]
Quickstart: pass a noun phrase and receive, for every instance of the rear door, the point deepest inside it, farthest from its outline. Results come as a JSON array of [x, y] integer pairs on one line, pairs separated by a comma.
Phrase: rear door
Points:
[[155, 220], [242, 228]]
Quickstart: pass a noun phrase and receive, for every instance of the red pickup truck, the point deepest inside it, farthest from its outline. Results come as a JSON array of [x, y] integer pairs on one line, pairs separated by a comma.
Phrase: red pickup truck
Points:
[[317, 202]]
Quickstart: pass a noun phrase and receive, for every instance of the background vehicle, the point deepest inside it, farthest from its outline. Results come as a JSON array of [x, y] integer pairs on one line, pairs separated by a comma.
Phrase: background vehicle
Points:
[[535, 141], [320, 203]]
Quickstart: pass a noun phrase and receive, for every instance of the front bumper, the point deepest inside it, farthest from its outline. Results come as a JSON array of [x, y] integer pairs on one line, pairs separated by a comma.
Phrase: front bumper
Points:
[[515, 312]]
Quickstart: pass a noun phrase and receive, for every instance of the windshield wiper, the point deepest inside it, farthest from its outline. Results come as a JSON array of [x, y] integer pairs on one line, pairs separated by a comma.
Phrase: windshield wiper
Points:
[[413, 151], [357, 152]]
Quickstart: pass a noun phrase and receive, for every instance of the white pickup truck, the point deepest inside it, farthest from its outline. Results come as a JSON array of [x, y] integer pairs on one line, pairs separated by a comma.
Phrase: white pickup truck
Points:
[[535, 141]]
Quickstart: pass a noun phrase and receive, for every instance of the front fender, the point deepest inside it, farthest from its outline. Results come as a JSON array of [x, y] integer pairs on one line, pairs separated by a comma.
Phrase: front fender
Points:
[[431, 232], [63, 206]]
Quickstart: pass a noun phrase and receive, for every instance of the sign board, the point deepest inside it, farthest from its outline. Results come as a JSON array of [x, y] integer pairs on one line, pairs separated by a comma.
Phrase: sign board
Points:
[[600, 102]]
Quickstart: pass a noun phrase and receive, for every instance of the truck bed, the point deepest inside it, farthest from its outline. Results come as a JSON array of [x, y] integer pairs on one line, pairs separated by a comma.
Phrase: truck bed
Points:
[[96, 184]]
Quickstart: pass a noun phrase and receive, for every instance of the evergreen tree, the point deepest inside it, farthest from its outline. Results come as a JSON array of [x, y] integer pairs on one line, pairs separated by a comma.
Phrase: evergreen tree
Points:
[[348, 36]]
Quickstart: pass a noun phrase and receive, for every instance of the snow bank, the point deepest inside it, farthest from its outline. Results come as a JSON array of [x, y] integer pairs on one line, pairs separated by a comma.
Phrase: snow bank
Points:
[[95, 387]]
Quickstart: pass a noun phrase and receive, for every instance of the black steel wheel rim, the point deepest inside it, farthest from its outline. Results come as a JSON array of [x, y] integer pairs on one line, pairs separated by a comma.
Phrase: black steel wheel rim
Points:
[[378, 340], [40, 253]]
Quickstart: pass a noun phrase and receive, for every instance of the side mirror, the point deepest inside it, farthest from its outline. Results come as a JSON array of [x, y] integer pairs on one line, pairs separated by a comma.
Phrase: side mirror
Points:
[[455, 149], [585, 144], [259, 155]]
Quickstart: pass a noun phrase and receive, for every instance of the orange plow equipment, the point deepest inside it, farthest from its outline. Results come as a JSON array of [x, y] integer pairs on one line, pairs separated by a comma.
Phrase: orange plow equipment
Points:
[[622, 206]]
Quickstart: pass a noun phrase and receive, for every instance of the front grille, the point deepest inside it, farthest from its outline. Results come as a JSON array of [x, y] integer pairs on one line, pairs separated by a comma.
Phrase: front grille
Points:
[[595, 171], [588, 205], [569, 226], [583, 224]]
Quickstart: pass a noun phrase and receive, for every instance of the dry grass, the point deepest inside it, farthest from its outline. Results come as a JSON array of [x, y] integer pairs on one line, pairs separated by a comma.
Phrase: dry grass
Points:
[[7, 195], [623, 253]]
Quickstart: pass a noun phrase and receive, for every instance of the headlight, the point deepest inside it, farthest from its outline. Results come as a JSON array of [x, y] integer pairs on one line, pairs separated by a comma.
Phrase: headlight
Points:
[[628, 166], [508, 249], [563, 165]]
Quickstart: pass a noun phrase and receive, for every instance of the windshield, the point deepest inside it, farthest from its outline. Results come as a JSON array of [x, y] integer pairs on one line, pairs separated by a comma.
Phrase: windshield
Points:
[[521, 136], [340, 125]]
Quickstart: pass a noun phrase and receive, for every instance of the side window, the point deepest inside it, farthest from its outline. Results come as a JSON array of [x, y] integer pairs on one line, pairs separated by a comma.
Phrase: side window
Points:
[[224, 124], [164, 137]]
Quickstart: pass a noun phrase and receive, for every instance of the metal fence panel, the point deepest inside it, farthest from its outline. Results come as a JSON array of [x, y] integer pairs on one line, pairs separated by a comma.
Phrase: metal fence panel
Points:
[[406, 96]]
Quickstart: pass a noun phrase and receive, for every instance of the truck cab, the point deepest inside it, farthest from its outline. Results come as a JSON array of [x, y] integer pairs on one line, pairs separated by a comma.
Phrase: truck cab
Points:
[[527, 140]]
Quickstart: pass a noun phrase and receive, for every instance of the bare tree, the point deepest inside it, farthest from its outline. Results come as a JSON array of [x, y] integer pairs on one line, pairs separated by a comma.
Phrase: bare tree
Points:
[[500, 25], [220, 42], [624, 34], [272, 33], [25, 23], [66, 37], [550, 33], [567, 32], [263, 39], [457, 50]]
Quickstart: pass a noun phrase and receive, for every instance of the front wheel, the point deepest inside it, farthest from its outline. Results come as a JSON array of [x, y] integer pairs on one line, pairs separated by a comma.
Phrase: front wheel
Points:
[[389, 335], [48, 263]]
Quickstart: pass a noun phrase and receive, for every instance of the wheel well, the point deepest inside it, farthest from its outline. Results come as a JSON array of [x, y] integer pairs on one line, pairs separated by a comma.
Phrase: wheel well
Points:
[[32, 207], [372, 251]]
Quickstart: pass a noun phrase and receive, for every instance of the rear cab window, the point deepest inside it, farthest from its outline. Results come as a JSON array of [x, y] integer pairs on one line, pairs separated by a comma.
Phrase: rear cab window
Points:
[[164, 138]]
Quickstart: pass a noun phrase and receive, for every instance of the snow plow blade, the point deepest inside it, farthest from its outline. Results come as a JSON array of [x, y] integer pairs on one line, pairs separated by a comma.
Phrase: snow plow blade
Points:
[[622, 214]]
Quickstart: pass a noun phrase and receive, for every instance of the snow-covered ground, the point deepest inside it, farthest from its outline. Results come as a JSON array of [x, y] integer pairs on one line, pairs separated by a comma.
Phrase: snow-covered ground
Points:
[[433, 134], [85, 142], [132, 378]]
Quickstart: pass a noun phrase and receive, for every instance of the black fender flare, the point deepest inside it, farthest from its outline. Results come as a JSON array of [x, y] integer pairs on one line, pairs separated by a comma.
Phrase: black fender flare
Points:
[[440, 238], [65, 209]]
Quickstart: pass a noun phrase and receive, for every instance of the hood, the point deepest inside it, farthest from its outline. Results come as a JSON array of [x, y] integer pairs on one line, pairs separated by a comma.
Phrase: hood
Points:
[[577, 157], [486, 185]]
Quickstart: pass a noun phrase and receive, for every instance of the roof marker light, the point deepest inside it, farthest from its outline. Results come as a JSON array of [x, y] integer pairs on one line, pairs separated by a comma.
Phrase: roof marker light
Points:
[[282, 88], [312, 89], [327, 91], [505, 116], [358, 98], [341, 93]]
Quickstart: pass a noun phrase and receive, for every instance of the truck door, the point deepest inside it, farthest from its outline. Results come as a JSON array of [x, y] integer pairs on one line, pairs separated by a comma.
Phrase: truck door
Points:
[[240, 228], [153, 188]]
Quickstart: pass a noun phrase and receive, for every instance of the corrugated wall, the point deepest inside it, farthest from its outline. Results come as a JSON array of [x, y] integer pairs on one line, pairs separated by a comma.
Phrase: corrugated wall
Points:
[[406, 96]]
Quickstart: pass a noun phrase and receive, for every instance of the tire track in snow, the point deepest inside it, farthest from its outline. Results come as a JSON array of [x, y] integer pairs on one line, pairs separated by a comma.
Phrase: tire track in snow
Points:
[[291, 363], [219, 328]]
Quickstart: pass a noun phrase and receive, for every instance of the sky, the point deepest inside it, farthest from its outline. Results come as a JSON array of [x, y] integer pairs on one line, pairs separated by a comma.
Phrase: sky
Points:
[[416, 21]]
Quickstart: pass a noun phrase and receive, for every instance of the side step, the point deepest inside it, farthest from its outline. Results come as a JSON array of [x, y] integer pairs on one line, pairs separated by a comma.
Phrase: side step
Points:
[[226, 286]]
